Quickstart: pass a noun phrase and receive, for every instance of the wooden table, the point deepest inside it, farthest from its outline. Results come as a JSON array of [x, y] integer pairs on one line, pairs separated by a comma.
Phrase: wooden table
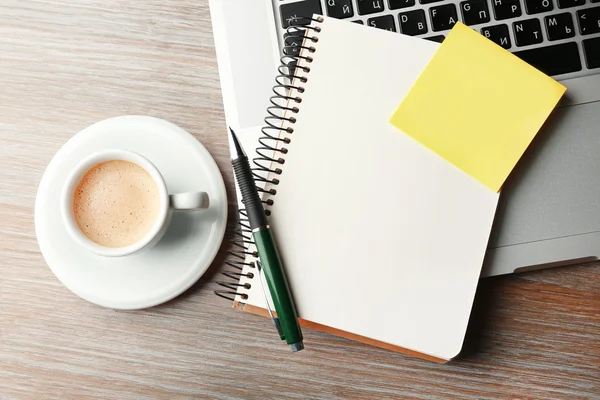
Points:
[[65, 64]]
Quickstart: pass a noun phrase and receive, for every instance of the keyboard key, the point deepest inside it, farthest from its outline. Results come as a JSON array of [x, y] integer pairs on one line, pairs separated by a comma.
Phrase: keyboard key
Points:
[[428, 1], [396, 4], [538, 6], [553, 60], [594, 1], [340, 8], [498, 34], [413, 22], [443, 17], [292, 43], [385, 22], [527, 32], [475, 12], [292, 67], [559, 26], [304, 8], [504, 9], [358, 21], [591, 49], [438, 38], [589, 20], [369, 6], [570, 3]]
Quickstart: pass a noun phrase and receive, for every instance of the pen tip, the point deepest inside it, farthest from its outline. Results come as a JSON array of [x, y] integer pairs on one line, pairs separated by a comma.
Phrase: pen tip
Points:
[[236, 143], [233, 135]]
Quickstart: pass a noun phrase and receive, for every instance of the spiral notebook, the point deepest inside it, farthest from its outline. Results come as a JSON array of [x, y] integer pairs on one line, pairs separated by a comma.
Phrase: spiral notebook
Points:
[[382, 240]]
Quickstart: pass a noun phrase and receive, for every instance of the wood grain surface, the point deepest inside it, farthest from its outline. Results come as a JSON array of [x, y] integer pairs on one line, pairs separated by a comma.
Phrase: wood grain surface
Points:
[[65, 64]]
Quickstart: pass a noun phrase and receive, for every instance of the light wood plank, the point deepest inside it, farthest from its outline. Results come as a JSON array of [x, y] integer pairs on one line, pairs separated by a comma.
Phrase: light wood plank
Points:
[[65, 64]]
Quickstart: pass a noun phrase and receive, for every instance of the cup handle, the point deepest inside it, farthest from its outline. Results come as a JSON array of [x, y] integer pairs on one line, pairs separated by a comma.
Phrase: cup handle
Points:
[[189, 201]]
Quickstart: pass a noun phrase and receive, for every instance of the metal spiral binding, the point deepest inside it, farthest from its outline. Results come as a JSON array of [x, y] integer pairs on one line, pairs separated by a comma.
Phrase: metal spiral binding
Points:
[[276, 134]]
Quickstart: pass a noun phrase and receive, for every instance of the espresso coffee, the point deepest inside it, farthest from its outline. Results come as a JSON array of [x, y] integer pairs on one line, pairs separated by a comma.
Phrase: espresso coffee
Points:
[[116, 203]]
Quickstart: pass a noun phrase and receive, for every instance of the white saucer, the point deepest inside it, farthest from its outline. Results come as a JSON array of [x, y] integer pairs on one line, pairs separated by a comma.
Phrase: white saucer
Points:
[[178, 260]]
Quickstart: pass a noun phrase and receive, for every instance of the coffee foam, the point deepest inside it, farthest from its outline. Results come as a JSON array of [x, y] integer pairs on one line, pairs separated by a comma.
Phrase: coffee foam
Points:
[[116, 203]]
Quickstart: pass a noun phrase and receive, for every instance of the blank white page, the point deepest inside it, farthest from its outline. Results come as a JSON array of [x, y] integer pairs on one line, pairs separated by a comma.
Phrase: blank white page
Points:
[[379, 236]]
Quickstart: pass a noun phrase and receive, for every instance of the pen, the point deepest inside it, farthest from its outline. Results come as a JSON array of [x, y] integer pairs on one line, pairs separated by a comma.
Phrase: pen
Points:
[[262, 288], [267, 251]]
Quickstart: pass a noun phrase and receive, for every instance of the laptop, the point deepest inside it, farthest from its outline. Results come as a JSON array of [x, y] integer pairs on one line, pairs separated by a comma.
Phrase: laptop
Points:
[[549, 211]]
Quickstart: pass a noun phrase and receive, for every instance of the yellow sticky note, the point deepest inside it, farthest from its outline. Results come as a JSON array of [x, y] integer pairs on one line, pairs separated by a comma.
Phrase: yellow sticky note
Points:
[[477, 106]]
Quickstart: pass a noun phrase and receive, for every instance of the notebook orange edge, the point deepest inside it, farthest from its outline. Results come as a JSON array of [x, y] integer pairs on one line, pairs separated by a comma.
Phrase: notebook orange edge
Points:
[[338, 332]]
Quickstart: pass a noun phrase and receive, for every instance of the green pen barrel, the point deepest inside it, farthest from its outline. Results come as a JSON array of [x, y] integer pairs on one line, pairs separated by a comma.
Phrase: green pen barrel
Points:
[[279, 288]]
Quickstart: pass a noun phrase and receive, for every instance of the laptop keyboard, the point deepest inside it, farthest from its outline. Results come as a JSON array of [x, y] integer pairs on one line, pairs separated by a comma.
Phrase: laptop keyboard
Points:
[[559, 37]]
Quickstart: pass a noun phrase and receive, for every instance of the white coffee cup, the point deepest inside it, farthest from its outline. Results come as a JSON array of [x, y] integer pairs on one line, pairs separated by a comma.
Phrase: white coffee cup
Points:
[[191, 201]]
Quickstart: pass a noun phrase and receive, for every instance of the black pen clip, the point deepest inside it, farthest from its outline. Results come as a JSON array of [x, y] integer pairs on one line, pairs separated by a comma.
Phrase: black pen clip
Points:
[[275, 320]]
